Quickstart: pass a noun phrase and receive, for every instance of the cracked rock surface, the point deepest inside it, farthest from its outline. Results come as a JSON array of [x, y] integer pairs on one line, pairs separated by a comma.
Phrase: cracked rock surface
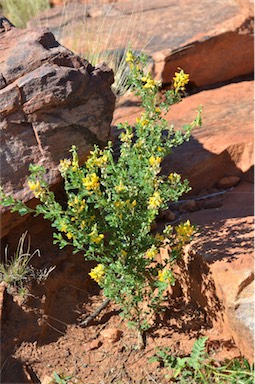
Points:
[[50, 99]]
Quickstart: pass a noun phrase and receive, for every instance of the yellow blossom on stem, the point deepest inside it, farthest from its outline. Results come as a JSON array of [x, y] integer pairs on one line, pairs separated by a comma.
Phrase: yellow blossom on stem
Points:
[[64, 165], [130, 57], [165, 276], [91, 182], [159, 237], [98, 273], [180, 80], [174, 178], [155, 161], [36, 188], [63, 226], [96, 238], [185, 231], [69, 235], [126, 137], [99, 161], [155, 201], [151, 253], [121, 187], [149, 83]]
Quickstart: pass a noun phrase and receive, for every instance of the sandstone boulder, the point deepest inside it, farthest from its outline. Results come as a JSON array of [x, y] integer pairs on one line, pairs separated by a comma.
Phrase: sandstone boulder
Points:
[[50, 99], [225, 243], [213, 57], [211, 40]]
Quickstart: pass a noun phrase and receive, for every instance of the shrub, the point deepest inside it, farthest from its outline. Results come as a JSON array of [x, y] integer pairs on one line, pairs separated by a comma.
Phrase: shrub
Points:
[[111, 203]]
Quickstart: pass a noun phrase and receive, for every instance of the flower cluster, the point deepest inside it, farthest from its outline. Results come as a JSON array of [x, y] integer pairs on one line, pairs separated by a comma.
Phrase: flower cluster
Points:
[[36, 188], [91, 181], [98, 273], [185, 230], [180, 80]]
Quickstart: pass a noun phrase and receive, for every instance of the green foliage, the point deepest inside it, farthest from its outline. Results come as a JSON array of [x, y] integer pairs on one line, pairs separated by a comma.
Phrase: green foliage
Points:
[[16, 270], [61, 379], [111, 203], [19, 12], [200, 368]]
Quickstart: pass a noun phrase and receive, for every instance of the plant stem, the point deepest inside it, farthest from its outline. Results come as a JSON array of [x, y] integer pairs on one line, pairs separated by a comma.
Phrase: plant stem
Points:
[[95, 313]]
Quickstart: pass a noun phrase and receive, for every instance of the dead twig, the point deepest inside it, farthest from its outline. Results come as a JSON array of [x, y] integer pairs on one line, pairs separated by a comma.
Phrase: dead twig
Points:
[[95, 313]]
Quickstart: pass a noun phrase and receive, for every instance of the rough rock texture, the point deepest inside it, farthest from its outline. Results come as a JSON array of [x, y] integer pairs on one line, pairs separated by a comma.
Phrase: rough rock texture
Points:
[[223, 146], [216, 56], [50, 99], [211, 40], [225, 242]]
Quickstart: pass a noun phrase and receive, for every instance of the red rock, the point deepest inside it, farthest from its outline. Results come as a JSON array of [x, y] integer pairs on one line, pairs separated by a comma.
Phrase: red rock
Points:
[[169, 215], [94, 344], [3, 287], [189, 206], [202, 56], [50, 99], [111, 334], [227, 182], [225, 243], [223, 31]]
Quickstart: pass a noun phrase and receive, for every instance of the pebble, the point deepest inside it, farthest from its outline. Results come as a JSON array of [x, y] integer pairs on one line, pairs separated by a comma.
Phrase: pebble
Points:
[[189, 206], [228, 182], [94, 344], [111, 334]]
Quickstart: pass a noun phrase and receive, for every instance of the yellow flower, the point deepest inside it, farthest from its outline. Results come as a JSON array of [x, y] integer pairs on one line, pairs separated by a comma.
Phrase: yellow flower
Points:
[[185, 231], [155, 201], [63, 226], [129, 204], [126, 137], [120, 187], [144, 122], [124, 253], [139, 143], [174, 178], [36, 188], [64, 165], [69, 235], [165, 276], [99, 161], [91, 182], [159, 237], [157, 110], [96, 238], [130, 57], [180, 80], [149, 83], [82, 205], [151, 253], [155, 161], [98, 273]]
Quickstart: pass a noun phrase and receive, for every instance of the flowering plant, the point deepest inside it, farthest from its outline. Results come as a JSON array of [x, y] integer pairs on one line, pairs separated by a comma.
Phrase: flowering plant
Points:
[[111, 203]]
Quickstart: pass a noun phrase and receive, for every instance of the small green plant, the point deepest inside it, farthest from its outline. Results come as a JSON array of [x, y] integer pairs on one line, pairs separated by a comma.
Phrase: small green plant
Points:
[[61, 379], [16, 270], [19, 12], [200, 368], [112, 203]]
